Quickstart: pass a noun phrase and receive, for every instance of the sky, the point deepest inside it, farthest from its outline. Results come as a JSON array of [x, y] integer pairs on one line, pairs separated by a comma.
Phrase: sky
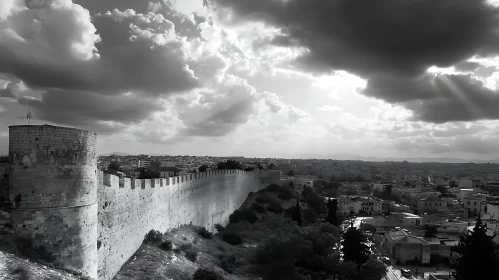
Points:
[[257, 78]]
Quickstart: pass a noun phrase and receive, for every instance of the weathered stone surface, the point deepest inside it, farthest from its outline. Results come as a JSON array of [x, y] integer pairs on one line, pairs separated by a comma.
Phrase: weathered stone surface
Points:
[[94, 222], [53, 186]]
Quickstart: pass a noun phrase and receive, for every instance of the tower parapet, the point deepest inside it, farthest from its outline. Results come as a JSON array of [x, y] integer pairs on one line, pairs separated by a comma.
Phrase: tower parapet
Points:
[[53, 188]]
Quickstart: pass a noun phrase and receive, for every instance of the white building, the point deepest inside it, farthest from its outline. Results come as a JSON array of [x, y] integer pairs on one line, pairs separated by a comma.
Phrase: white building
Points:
[[144, 163]]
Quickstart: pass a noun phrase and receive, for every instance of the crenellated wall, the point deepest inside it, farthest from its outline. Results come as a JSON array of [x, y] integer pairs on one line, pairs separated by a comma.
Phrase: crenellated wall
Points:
[[94, 222], [129, 208]]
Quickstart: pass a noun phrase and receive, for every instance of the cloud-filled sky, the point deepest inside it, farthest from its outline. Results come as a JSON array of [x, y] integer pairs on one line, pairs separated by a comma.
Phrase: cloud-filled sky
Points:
[[264, 78]]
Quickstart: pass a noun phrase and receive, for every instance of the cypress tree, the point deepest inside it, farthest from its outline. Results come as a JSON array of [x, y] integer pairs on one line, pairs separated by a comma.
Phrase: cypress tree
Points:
[[296, 214], [332, 207], [354, 247], [479, 259]]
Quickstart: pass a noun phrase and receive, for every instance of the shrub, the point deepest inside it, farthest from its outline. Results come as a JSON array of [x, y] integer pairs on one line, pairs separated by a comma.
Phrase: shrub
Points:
[[184, 247], [166, 245], [206, 274], [153, 236], [283, 192], [232, 238], [275, 207], [258, 207], [309, 215], [219, 228], [204, 233], [228, 263], [243, 215], [191, 255], [263, 198]]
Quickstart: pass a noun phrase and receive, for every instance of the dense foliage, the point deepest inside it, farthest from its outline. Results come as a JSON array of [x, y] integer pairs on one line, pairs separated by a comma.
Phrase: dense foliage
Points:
[[479, 257], [230, 164]]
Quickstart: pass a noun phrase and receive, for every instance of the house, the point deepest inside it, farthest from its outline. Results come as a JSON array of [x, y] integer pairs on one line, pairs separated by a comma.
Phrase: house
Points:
[[465, 184], [408, 219], [475, 203], [166, 172], [430, 204]]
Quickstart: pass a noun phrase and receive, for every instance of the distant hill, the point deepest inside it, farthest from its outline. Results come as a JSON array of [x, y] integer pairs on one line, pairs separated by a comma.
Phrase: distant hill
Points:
[[115, 153], [378, 159]]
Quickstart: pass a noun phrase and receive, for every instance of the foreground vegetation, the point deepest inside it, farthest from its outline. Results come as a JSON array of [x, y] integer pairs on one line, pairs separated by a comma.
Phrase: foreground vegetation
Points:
[[277, 234]]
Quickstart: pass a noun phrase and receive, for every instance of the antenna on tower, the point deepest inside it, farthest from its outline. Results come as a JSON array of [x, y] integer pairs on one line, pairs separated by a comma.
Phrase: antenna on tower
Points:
[[29, 116]]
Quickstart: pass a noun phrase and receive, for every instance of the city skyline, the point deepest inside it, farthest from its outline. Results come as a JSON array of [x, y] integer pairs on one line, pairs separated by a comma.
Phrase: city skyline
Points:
[[256, 78]]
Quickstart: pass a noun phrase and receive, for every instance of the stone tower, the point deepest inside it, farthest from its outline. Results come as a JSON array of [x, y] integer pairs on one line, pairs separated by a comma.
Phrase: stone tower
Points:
[[53, 188]]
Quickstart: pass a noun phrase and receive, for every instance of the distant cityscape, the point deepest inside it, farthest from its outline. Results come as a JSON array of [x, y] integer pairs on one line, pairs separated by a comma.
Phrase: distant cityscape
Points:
[[398, 201]]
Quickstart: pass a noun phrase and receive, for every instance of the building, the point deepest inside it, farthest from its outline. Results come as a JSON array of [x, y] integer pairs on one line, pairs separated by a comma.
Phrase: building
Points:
[[144, 163], [475, 203], [465, 183], [302, 182], [165, 163], [166, 172], [493, 211], [370, 206], [431, 204], [408, 219]]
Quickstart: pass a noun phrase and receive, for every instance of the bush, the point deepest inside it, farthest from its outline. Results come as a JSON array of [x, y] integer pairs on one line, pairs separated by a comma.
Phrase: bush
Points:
[[228, 263], [232, 238], [166, 245], [283, 192], [275, 207], [241, 215], [153, 236], [309, 215], [184, 247], [219, 228], [191, 255], [258, 207], [263, 198], [204, 233], [206, 274]]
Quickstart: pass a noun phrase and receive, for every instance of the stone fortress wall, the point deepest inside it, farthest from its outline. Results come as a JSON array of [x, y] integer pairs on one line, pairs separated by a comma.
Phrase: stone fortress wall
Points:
[[94, 222]]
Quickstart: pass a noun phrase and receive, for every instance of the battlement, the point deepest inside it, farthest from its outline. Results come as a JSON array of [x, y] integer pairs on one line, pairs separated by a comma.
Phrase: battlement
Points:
[[118, 182], [66, 204]]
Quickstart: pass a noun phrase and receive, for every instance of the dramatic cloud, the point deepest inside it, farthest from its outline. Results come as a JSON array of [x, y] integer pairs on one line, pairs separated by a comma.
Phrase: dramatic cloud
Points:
[[365, 37], [131, 52], [104, 114], [221, 111], [437, 98]]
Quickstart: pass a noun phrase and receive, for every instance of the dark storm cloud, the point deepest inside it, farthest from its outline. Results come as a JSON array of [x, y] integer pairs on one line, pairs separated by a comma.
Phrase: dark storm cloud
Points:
[[103, 114], [364, 36], [437, 99], [391, 43]]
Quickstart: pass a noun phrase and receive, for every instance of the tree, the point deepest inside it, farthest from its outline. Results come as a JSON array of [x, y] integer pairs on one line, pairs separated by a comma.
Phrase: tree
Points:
[[203, 168], [332, 207], [148, 174], [229, 164], [354, 246], [290, 173], [114, 165], [296, 213], [430, 231], [314, 200], [479, 259], [452, 184]]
